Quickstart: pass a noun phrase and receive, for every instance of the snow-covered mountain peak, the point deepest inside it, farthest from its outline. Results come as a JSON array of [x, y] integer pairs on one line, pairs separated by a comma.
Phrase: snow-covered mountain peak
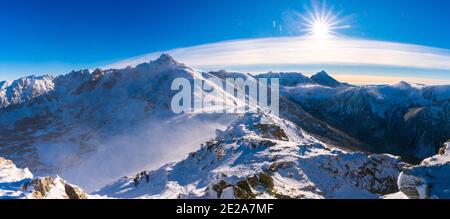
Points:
[[97, 74], [289, 79], [32, 79], [24, 89], [4, 84], [166, 59], [10, 173], [166, 65], [402, 85], [324, 79], [321, 74]]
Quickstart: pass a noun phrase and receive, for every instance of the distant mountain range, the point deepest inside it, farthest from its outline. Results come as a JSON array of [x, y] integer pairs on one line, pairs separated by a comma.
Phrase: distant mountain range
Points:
[[332, 139]]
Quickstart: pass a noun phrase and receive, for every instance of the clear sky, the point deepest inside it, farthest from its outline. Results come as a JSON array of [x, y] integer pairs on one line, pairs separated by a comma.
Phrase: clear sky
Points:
[[52, 36]]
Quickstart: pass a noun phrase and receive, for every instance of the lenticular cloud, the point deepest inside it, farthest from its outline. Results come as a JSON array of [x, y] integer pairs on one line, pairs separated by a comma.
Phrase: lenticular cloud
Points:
[[304, 51]]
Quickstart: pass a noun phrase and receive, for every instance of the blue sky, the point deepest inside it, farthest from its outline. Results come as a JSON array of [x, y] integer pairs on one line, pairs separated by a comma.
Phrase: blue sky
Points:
[[50, 36]]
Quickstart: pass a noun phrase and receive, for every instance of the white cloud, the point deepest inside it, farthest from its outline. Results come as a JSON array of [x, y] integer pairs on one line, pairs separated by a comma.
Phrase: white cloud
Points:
[[304, 51]]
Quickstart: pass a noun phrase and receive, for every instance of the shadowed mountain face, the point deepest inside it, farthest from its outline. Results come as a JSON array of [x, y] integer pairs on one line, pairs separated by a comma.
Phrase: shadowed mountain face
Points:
[[55, 124], [324, 79], [402, 119]]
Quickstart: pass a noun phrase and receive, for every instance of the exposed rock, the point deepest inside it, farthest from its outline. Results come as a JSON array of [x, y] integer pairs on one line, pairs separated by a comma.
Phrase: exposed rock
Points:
[[272, 131], [266, 180], [430, 179], [74, 192], [378, 174], [219, 187], [16, 183], [242, 190], [412, 186], [41, 186], [442, 150]]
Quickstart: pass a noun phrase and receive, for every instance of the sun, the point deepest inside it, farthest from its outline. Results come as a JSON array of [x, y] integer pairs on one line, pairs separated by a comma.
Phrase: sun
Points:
[[322, 23], [320, 29]]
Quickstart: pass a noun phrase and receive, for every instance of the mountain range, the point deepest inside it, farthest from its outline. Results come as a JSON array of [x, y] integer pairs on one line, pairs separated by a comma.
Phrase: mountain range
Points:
[[332, 139]]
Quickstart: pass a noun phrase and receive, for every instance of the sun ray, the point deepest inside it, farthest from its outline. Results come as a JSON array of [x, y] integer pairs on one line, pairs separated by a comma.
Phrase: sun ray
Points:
[[321, 22]]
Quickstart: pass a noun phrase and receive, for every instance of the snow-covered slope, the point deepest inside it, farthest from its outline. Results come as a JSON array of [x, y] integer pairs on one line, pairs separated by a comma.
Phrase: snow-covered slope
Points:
[[254, 160], [85, 114], [16, 183], [430, 179]]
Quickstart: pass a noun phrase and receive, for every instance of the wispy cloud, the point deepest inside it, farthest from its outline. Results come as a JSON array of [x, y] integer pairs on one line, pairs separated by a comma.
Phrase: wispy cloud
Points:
[[377, 79], [288, 51]]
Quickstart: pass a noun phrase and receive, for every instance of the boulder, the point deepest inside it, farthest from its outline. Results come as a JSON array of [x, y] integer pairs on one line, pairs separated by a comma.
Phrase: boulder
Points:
[[41, 187], [74, 192]]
